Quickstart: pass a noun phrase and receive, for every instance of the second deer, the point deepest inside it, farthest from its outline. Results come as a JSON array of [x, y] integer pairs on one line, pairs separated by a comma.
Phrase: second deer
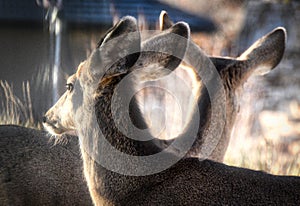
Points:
[[263, 56]]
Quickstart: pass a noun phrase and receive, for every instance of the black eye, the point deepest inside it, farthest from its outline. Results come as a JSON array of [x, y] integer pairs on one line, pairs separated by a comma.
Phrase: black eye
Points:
[[69, 87]]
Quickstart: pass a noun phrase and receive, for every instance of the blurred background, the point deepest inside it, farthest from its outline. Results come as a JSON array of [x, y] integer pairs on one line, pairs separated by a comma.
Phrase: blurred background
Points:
[[43, 41]]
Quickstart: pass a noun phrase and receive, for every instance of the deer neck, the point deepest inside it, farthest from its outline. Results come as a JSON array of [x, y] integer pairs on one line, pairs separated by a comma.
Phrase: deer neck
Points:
[[106, 186], [109, 125]]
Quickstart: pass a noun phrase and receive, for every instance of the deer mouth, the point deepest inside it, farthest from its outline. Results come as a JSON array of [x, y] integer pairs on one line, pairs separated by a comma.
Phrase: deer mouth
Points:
[[56, 129], [52, 129]]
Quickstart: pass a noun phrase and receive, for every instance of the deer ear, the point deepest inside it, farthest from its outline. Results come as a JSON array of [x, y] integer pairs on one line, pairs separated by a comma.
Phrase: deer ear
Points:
[[118, 50], [167, 49], [266, 53], [164, 21], [126, 25]]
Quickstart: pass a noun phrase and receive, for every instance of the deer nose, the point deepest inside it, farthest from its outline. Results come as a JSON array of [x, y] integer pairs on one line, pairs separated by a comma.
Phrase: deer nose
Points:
[[44, 119]]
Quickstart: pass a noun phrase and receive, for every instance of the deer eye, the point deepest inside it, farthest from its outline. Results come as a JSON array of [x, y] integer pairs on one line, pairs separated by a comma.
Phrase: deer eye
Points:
[[69, 87]]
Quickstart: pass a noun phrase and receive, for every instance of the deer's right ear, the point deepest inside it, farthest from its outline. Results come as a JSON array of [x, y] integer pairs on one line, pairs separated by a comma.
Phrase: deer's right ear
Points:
[[263, 56], [119, 47], [266, 53]]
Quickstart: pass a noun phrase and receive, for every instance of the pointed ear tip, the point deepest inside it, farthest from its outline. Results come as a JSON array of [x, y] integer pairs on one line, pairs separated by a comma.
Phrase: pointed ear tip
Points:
[[163, 16], [280, 32], [182, 27], [129, 19], [163, 13], [280, 29]]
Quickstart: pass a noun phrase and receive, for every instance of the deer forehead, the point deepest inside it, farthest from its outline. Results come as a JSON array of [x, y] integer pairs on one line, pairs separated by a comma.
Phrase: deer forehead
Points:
[[80, 69], [72, 78]]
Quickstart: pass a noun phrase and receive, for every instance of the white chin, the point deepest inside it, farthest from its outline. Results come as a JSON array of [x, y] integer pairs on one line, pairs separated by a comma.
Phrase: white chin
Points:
[[52, 130]]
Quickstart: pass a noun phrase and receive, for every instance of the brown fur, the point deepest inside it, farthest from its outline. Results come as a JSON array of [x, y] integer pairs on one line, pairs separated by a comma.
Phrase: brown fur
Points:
[[35, 172], [189, 181], [265, 53]]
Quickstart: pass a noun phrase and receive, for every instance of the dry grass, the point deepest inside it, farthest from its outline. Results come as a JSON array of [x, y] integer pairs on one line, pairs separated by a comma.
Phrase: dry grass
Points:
[[267, 140], [16, 110], [261, 154]]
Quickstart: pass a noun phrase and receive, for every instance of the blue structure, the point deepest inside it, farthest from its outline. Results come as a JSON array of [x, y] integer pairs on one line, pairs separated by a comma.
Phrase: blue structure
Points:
[[20, 11], [99, 12]]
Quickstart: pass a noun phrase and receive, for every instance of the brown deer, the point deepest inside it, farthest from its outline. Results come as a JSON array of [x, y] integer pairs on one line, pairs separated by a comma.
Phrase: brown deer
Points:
[[33, 171], [233, 72], [59, 163], [116, 167]]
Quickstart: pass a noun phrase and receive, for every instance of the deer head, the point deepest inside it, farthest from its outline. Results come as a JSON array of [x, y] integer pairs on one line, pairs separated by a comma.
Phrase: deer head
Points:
[[91, 104], [263, 56], [61, 117]]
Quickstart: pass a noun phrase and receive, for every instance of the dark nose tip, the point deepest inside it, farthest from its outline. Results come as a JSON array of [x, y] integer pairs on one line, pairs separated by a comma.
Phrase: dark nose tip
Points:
[[44, 119]]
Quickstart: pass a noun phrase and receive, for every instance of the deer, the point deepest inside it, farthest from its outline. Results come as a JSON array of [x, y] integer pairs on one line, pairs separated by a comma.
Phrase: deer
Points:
[[33, 171], [64, 169], [234, 72], [120, 170]]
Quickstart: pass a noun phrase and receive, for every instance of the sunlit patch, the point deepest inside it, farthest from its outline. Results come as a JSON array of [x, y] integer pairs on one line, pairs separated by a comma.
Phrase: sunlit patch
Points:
[[80, 69], [262, 69]]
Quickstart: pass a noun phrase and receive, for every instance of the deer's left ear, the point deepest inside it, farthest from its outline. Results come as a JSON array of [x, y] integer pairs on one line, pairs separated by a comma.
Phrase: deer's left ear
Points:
[[118, 50], [167, 49], [164, 21]]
